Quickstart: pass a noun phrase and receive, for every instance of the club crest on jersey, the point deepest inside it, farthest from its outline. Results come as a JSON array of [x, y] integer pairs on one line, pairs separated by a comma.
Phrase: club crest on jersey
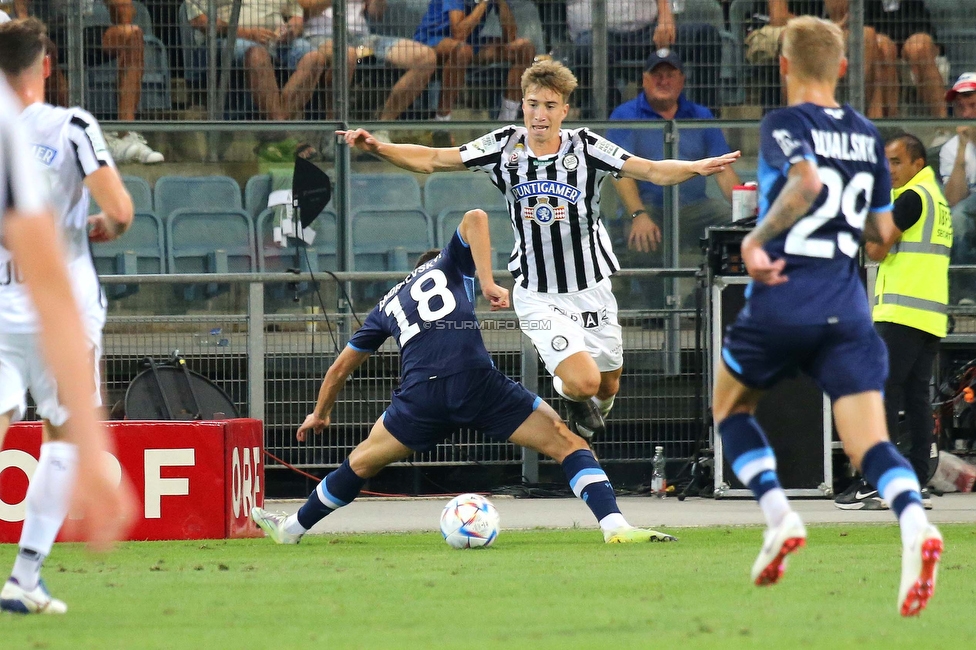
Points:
[[543, 213], [44, 155], [570, 162]]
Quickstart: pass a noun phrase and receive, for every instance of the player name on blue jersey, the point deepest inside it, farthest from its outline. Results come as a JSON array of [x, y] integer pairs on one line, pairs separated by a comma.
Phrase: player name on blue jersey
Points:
[[855, 147]]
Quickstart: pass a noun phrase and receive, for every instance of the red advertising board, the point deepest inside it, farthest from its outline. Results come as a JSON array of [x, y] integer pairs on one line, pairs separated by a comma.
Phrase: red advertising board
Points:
[[193, 480], [244, 476]]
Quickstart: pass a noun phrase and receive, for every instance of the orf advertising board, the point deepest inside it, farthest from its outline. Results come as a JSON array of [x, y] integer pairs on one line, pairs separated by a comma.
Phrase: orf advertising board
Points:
[[193, 480]]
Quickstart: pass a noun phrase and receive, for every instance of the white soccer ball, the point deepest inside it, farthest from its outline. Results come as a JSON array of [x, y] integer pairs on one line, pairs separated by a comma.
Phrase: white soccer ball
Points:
[[469, 521]]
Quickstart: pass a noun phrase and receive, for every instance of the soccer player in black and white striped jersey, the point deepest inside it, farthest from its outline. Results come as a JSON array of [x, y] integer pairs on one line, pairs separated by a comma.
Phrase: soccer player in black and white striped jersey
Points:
[[562, 260], [39, 313]]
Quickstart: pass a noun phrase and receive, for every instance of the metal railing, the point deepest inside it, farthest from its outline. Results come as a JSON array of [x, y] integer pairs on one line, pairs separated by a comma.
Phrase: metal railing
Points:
[[270, 353]]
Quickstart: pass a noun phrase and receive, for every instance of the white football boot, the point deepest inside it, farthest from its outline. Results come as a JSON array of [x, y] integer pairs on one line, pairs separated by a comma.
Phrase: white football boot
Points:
[[778, 542], [919, 565], [273, 524], [16, 599]]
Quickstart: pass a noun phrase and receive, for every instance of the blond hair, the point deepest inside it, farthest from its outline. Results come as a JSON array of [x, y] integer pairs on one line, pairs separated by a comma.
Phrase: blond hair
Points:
[[814, 47], [549, 75]]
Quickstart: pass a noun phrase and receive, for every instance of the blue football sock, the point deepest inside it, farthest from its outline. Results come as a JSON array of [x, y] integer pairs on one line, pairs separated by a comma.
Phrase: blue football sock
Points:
[[745, 446], [590, 483], [888, 471], [338, 489]]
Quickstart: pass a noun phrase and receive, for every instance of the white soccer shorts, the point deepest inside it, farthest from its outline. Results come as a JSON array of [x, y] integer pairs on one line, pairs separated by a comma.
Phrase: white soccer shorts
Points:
[[562, 324], [22, 369]]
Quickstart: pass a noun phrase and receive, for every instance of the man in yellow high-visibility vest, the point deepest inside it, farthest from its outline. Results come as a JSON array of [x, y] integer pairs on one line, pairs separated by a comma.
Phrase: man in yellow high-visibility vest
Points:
[[910, 298]]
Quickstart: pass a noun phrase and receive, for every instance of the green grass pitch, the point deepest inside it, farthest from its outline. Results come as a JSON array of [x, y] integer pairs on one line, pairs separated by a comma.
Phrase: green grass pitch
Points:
[[533, 589]]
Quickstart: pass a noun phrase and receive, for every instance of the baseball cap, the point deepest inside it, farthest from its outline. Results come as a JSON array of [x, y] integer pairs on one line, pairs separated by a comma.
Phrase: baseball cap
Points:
[[966, 83], [664, 55]]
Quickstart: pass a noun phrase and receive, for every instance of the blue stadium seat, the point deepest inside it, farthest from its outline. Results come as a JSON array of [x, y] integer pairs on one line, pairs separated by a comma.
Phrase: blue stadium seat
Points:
[[210, 241], [256, 193], [139, 251], [101, 91], [140, 192], [461, 191], [499, 227], [384, 191], [138, 189], [199, 193], [389, 239]]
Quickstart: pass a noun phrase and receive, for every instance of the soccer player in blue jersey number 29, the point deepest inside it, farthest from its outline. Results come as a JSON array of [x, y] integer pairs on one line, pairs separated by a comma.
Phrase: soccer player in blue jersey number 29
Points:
[[447, 381], [823, 181]]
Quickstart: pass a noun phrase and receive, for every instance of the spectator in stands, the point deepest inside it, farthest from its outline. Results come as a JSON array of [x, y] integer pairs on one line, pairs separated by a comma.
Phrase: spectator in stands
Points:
[[453, 29], [635, 29], [122, 42], [903, 27], [663, 99], [957, 167], [268, 37], [417, 60], [763, 45]]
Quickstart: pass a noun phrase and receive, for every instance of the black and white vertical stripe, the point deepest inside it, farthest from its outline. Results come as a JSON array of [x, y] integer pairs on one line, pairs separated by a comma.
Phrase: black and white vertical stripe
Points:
[[569, 254]]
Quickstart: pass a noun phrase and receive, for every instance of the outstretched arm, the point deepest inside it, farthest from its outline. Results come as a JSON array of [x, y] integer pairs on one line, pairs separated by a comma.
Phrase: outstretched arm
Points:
[[344, 365], [413, 157], [800, 191], [672, 172], [474, 231]]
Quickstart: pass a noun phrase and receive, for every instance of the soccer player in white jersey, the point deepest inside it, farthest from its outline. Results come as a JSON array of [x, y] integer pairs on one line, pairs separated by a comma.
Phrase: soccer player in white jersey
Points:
[[562, 260], [67, 146]]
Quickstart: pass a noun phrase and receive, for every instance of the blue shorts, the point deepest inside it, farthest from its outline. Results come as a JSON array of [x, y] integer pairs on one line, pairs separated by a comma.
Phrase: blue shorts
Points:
[[286, 55], [425, 413], [844, 358]]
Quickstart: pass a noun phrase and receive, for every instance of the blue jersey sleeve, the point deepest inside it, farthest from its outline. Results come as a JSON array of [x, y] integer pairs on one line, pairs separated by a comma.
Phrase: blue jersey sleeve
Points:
[[373, 333], [458, 252], [784, 140]]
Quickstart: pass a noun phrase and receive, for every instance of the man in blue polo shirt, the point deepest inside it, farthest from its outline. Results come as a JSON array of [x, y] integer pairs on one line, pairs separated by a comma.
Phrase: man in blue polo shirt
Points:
[[662, 99]]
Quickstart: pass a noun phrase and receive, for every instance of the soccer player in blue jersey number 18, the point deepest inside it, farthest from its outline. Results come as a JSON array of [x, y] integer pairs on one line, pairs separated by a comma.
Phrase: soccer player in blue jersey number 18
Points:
[[448, 381], [823, 181]]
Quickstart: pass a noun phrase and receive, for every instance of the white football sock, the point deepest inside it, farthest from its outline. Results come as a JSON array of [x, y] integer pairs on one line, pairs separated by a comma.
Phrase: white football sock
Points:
[[912, 520], [292, 527], [613, 521], [47, 505], [775, 506], [510, 109], [442, 118], [604, 404]]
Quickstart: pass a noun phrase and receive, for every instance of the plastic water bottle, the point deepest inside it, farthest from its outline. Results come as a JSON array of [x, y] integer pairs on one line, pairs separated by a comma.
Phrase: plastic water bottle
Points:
[[659, 483]]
